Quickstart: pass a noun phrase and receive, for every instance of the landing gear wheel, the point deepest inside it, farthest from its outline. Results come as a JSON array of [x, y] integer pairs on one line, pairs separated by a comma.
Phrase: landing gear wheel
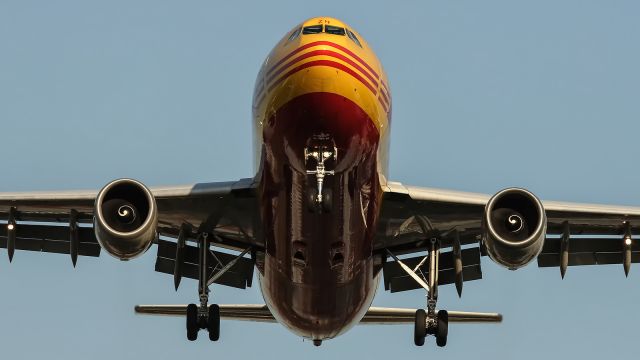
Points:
[[192, 322], [312, 194], [312, 203], [420, 329], [327, 200], [443, 328], [213, 322]]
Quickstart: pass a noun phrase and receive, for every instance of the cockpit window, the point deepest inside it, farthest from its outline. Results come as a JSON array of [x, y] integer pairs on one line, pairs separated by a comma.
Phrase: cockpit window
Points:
[[335, 30], [353, 37], [295, 34], [313, 29]]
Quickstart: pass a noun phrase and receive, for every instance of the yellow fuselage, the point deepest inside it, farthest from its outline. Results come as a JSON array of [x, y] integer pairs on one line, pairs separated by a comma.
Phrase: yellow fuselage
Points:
[[294, 67]]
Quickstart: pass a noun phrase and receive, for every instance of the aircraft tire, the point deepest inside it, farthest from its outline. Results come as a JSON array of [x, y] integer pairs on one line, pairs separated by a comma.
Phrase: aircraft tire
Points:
[[420, 328], [312, 193], [327, 200], [443, 328], [192, 322], [213, 322]]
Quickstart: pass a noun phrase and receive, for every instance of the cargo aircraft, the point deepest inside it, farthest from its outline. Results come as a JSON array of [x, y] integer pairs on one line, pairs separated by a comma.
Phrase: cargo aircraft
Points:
[[320, 220]]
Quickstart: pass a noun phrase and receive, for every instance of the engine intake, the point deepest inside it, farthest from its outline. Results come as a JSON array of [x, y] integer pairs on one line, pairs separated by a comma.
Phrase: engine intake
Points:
[[126, 218], [515, 225]]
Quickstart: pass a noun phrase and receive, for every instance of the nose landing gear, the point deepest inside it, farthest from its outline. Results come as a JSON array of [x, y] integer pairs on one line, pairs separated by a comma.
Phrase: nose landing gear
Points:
[[322, 151]]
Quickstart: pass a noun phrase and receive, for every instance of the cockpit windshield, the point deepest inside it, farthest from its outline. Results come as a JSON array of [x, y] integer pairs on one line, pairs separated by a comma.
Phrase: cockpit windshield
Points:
[[329, 29], [313, 29], [294, 34], [335, 30], [353, 37]]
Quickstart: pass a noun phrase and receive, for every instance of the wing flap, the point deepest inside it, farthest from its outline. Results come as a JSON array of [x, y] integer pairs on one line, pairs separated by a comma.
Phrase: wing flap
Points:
[[445, 277], [588, 251], [51, 232], [594, 245], [51, 239], [190, 271], [238, 276], [396, 279], [587, 258]]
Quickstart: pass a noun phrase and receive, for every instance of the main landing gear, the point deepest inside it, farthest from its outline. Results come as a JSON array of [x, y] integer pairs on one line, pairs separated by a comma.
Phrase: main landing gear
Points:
[[426, 324], [429, 322], [203, 316], [195, 322]]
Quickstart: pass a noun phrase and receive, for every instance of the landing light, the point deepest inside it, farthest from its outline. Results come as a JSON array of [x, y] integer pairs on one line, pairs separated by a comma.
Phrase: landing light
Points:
[[627, 241], [10, 227]]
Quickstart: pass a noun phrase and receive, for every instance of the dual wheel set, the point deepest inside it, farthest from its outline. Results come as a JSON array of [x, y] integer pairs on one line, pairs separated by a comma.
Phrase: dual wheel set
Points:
[[195, 322], [319, 207], [437, 326]]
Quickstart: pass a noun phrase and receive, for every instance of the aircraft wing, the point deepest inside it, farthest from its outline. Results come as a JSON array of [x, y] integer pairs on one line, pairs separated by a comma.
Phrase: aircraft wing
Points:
[[575, 234], [226, 210]]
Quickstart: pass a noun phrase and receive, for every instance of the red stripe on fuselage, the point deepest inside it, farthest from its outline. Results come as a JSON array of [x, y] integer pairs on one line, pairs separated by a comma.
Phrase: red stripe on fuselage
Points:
[[327, 43], [384, 95], [372, 75], [328, 63], [385, 87], [384, 105], [325, 53]]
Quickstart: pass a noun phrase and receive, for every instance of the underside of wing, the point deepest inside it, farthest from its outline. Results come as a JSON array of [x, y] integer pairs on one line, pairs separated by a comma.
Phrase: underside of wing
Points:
[[125, 218], [227, 208], [513, 227]]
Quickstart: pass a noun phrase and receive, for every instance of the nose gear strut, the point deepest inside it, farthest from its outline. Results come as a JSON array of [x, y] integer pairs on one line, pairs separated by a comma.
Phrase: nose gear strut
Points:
[[321, 152]]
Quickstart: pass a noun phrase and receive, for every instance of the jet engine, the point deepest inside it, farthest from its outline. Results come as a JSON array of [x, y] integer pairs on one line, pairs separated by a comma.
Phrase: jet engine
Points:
[[126, 218], [514, 227]]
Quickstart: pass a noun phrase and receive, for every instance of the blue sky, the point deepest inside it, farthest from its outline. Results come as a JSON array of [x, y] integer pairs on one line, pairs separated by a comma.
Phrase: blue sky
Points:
[[542, 95]]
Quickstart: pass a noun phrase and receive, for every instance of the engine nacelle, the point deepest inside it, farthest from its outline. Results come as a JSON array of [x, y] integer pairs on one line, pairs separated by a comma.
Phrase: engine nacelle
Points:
[[514, 225], [126, 218]]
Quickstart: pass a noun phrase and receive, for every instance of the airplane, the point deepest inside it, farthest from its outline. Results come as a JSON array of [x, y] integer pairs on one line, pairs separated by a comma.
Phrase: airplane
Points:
[[319, 220]]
